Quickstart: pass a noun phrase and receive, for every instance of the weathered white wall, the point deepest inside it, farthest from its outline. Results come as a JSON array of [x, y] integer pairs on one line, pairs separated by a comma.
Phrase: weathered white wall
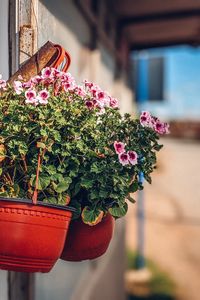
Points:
[[4, 38], [4, 72], [3, 285], [61, 282], [62, 23]]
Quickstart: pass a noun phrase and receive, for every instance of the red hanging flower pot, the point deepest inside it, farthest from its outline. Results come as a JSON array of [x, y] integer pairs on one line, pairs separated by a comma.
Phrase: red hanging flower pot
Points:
[[88, 242], [31, 236]]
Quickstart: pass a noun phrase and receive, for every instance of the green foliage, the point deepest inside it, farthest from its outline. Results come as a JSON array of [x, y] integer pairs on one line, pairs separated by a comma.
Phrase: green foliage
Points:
[[76, 149]]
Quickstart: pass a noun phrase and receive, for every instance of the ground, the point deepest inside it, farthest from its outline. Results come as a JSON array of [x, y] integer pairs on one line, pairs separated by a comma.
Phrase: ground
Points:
[[172, 208]]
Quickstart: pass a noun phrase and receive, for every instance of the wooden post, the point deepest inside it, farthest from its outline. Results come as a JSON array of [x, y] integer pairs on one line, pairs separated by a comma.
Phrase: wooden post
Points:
[[21, 23], [20, 286]]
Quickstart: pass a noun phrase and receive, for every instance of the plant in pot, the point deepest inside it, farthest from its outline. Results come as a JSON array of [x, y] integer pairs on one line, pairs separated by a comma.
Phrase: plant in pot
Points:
[[34, 218], [60, 143], [116, 150]]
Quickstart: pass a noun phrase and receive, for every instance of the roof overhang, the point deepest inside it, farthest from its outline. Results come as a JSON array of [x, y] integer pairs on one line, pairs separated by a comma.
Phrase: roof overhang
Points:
[[157, 23]]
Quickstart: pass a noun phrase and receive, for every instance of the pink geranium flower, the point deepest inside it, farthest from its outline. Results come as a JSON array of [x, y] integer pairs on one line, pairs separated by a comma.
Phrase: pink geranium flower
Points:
[[145, 118], [47, 72], [132, 157], [18, 87], [36, 79], [161, 127], [80, 91], [2, 83], [88, 83], [89, 104], [28, 85], [119, 147], [113, 102], [101, 95], [31, 97], [123, 158], [43, 97]]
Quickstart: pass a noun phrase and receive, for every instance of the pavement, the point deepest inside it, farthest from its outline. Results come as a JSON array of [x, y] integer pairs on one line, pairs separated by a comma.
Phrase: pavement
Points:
[[172, 209]]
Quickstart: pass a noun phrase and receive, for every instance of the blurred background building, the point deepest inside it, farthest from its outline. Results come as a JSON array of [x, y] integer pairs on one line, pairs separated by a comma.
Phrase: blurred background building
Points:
[[119, 45]]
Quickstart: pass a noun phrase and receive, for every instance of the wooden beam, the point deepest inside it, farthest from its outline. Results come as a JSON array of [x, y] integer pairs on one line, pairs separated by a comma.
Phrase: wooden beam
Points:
[[146, 8], [20, 286], [164, 32]]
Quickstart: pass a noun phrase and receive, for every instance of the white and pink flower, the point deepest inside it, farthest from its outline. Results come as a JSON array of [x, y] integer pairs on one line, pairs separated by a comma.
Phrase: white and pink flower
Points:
[[2, 83], [31, 97], [132, 157], [113, 102], [123, 158], [36, 79], [27, 85], [119, 147], [80, 91], [18, 87], [161, 127], [145, 119], [88, 84], [150, 121], [43, 97], [47, 73], [89, 104]]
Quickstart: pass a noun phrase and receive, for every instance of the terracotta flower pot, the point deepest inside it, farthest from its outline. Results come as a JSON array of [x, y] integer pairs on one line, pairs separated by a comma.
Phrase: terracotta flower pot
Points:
[[31, 236], [88, 242]]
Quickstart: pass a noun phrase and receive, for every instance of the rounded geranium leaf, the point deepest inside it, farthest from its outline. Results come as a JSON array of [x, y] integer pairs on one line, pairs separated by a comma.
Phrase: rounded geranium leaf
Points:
[[119, 211], [91, 217]]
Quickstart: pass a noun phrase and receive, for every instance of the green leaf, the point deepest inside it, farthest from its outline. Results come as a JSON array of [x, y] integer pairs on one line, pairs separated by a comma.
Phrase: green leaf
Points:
[[57, 177], [130, 199], [148, 178], [51, 169], [77, 212], [133, 187], [77, 188], [4, 194], [158, 147], [16, 189], [63, 186], [51, 200], [91, 216], [119, 211], [87, 183], [95, 169], [43, 182]]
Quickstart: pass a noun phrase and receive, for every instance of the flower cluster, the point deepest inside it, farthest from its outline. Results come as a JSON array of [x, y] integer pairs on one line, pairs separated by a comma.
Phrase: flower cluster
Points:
[[33, 98], [91, 156], [150, 121], [93, 96], [130, 157], [99, 98]]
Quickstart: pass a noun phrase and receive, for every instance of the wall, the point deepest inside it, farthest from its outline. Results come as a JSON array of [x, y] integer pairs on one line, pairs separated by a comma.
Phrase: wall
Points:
[[4, 38], [3, 285], [65, 25], [4, 72]]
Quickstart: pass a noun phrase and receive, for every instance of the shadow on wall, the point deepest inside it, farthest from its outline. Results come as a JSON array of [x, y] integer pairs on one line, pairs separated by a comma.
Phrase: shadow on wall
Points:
[[67, 13]]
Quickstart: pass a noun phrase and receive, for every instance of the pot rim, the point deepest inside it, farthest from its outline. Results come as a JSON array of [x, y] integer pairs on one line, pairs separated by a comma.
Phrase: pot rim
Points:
[[39, 203]]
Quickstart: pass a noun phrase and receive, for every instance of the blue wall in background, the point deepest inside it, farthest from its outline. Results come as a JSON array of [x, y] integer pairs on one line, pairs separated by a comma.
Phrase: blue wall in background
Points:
[[182, 83]]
